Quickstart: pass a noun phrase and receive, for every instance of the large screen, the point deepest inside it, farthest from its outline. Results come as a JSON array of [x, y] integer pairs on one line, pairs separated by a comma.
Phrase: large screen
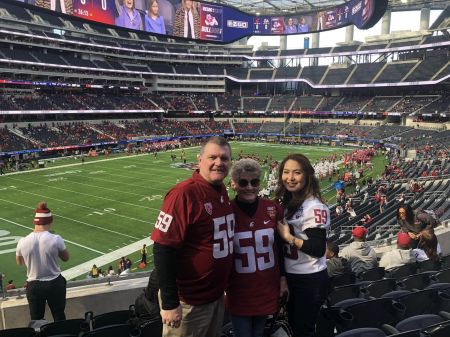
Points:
[[209, 22]]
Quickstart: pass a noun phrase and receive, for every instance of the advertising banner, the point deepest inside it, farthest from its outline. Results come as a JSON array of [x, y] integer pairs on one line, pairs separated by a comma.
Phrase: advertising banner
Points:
[[209, 22]]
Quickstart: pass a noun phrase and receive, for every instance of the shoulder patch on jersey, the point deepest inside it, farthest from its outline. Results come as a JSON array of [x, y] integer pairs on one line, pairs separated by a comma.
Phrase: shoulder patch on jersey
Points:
[[208, 208]]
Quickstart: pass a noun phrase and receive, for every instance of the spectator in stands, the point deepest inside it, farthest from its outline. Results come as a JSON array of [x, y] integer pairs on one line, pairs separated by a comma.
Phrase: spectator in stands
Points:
[[365, 197], [39, 252], [351, 213], [361, 256], [357, 188], [306, 269], [428, 247], [290, 27], [63, 6], [255, 287], [154, 22], [339, 210], [414, 222], [336, 265], [399, 256], [382, 203], [366, 219], [194, 270], [128, 16], [187, 20], [10, 285], [400, 198]]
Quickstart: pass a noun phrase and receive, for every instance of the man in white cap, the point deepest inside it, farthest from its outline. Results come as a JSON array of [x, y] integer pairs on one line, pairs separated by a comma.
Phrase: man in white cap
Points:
[[39, 252]]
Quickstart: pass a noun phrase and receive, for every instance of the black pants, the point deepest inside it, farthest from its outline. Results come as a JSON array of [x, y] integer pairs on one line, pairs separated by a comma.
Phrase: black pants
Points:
[[307, 292], [53, 292]]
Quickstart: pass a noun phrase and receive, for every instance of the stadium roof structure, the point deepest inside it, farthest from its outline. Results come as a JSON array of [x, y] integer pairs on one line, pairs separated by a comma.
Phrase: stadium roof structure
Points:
[[293, 6]]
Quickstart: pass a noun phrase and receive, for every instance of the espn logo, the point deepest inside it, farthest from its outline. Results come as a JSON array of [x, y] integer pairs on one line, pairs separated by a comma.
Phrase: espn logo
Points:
[[237, 24]]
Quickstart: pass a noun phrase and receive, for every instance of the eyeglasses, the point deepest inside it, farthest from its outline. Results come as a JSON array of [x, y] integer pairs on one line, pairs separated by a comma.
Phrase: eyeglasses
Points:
[[245, 182]]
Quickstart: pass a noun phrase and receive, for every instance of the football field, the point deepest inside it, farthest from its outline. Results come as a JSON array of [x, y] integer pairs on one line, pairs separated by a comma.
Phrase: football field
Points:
[[103, 208]]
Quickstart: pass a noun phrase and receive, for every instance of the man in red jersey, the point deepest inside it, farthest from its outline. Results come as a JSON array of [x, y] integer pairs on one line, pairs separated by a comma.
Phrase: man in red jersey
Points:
[[193, 246]]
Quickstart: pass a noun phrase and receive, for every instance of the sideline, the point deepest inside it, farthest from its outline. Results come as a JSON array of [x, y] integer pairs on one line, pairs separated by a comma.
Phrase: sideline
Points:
[[91, 162], [108, 258]]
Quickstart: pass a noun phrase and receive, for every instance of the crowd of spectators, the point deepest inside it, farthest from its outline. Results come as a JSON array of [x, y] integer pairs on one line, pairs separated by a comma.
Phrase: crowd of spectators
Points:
[[84, 100], [56, 134]]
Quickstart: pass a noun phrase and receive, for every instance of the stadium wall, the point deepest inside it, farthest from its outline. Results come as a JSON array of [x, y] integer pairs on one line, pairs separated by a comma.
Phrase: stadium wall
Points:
[[120, 294], [98, 298]]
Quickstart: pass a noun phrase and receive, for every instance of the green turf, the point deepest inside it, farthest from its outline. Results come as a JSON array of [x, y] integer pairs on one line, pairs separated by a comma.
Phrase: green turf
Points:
[[102, 205]]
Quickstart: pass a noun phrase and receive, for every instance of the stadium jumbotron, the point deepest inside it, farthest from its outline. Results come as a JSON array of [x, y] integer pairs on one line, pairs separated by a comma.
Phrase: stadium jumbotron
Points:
[[100, 117]]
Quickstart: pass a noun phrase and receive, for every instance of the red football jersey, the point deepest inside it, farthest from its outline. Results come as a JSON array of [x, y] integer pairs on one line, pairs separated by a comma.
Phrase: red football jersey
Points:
[[255, 280], [197, 219]]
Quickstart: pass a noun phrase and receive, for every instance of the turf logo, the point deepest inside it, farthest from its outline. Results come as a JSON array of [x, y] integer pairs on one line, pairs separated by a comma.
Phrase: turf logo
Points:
[[187, 166]]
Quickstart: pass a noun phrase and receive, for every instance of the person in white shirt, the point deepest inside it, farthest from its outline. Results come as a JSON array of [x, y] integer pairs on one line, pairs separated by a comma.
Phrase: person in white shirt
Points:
[[307, 218], [399, 256], [39, 251]]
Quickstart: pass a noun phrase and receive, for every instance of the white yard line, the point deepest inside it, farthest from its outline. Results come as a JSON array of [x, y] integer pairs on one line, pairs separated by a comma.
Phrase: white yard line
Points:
[[71, 242], [81, 193], [91, 162], [108, 258], [82, 206], [78, 221]]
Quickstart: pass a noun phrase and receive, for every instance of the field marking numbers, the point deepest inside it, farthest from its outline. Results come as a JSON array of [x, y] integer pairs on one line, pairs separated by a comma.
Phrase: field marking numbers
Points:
[[74, 220], [9, 240], [57, 179], [71, 242], [63, 173], [105, 210], [97, 172], [152, 197], [81, 193]]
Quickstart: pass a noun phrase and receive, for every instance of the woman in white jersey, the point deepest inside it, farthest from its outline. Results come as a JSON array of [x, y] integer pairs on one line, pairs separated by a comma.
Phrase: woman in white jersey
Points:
[[304, 230]]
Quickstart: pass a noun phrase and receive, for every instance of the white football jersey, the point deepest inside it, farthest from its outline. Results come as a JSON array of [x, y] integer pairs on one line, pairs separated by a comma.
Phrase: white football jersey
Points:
[[312, 214]]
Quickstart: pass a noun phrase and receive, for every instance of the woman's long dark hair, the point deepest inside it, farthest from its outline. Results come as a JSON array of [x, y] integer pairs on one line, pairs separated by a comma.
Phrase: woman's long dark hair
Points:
[[428, 243], [292, 201], [409, 213]]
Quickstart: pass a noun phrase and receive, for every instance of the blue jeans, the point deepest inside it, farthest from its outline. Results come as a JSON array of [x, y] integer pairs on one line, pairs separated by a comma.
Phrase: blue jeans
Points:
[[248, 326]]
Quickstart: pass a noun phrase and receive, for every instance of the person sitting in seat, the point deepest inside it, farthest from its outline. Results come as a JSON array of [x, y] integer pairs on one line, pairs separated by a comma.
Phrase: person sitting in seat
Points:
[[336, 265], [359, 254], [399, 256]]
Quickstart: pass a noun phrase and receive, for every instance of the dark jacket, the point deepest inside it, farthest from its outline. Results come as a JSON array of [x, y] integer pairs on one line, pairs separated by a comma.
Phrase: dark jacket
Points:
[[337, 266], [422, 220]]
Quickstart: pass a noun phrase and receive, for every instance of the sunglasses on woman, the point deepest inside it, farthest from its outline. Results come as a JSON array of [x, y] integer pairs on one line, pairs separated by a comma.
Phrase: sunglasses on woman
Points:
[[245, 182]]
